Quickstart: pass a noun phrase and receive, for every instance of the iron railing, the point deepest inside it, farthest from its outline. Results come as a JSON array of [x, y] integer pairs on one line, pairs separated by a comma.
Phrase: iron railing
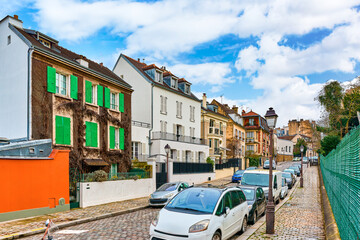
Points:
[[177, 137], [186, 167], [341, 174], [140, 124], [227, 163]]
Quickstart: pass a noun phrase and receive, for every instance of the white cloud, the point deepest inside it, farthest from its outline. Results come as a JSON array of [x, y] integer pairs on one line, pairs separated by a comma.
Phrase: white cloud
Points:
[[10, 7]]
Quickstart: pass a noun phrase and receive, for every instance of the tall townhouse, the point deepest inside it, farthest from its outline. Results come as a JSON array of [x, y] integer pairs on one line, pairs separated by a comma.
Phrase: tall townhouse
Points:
[[164, 111], [257, 134], [213, 129], [49, 92], [235, 131]]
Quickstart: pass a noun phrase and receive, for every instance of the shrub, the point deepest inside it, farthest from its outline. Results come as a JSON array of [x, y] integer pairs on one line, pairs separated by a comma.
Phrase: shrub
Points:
[[209, 160], [100, 176]]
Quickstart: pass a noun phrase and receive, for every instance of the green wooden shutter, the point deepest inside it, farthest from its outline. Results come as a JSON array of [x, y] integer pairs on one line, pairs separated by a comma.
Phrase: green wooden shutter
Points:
[[88, 133], [94, 135], [100, 96], [51, 79], [67, 131], [112, 137], [59, 130], [107, 97], [73, 87], [122, 138], [121, 102], [88, 91]]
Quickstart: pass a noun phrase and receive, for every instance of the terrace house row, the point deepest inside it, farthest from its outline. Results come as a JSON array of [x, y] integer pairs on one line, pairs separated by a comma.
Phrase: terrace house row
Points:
[[49, 92], [164, 111]]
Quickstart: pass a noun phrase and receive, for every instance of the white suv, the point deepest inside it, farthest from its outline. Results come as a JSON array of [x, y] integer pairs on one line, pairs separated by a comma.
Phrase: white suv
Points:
[[202, 213]]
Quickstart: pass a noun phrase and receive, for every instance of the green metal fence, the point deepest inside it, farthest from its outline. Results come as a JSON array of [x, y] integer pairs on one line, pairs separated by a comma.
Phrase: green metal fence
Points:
[[341, 174]]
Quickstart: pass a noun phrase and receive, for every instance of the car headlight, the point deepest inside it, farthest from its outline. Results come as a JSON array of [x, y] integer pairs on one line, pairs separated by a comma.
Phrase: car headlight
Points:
[[169, 195], [155, 220], [199, 226]]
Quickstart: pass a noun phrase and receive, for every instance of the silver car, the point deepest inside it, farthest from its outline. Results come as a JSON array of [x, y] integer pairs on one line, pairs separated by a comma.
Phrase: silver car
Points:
[[166, 192]]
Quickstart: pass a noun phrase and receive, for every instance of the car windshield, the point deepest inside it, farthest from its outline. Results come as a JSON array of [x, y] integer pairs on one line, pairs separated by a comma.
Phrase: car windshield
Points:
[[249, 193], [286, 175], [256, 179], [266, 162], [283, 182], [196, 199], [239, 172], [167, 187], [294, 168]]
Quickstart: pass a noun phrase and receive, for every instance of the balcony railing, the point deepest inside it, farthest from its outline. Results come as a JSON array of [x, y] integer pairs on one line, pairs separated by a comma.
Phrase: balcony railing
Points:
[[178, 138], [250, 140], [140, 124], [216, 131], [217, 151]]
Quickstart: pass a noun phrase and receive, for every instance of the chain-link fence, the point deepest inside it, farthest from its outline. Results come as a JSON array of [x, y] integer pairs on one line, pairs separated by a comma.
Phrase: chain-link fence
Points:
[[341, 174]]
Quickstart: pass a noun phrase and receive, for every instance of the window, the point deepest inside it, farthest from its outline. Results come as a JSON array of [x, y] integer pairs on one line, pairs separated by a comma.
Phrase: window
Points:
[[192, 132], [250, 134], [9, 40], [113, 101], [187, 89], [163, 126], [94, 93], [192, 113], [45, 43], [173, 154], [116, 138], [173, 83], [228, 202], [210, 143], [212, 124], [251, 122], [242, 197], [91, 134], [61, 84], [250, 148], [235, 198], [136, 149], [158, 76], [62, 130], [178, 109], [163, 104]]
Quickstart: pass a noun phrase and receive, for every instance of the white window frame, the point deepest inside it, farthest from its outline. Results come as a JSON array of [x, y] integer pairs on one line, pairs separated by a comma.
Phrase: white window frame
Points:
[[178, 109], [135, 145], [158, 76], [94, 93], [116, 100], [251, 122], [173, 83], [58, 87]]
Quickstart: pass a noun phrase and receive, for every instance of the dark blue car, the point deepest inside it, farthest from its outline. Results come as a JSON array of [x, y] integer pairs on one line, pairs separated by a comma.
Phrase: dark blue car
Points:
[[237, 176]]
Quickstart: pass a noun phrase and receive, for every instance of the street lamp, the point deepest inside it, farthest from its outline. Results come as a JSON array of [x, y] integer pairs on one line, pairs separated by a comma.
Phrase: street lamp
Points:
[[301, 173], [271, 118], [167, 150], [240, 159]]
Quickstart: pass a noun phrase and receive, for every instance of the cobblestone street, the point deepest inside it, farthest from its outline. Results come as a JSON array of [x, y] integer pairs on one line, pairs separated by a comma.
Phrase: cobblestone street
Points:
[[301, 216]]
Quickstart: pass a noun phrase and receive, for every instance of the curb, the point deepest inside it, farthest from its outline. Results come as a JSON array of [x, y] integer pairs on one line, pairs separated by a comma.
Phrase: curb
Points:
[[72, 223], [330, 225]]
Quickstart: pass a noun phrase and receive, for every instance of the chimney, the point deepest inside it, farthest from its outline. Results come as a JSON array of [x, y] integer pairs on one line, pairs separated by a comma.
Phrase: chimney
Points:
[[204, 100], [235, 108], [138, 59], [16, 17], [243, 112], [101, 64]]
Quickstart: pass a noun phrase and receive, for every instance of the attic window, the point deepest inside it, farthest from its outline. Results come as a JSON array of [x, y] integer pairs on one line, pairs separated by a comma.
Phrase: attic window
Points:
[[173, 83], [187, 89], [158, 76], [45, 43]]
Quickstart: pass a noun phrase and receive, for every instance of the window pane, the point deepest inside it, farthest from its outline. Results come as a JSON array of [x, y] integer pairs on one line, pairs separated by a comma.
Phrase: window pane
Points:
[[235, 198]]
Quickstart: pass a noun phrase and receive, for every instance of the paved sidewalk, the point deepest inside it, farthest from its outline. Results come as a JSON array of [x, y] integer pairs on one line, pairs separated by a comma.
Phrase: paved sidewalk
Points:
[[29, 224], [301, 216]]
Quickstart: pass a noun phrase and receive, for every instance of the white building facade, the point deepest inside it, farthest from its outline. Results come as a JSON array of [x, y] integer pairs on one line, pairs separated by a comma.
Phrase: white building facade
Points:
[[284, 149], [164, 111]]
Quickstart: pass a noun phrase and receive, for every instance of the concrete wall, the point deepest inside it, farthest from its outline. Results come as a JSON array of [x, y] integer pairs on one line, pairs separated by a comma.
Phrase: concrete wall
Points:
[[13, 83], [33, 186], [95, 193], [226, 172]]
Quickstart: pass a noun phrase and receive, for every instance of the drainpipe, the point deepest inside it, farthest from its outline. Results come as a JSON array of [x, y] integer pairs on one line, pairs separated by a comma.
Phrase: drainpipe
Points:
[[152, 117], [30, 51]]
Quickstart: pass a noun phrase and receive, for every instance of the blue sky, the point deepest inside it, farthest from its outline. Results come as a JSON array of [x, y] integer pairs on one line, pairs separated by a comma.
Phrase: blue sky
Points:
[[257, 54]]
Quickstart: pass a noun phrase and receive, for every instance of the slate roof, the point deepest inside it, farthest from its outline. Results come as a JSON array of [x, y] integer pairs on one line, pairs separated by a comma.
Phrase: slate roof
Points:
[[57, 50], [141, 67], [250, 114]]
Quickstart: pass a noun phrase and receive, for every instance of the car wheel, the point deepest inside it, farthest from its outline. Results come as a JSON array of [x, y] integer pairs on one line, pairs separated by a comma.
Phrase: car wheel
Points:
[[244, 225], [217, 236], [255, 217]]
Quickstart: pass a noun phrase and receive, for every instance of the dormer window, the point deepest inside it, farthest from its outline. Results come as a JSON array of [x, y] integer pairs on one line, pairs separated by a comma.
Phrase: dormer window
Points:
[[187, 89], [173, 83], [158, 76], [45, 43]]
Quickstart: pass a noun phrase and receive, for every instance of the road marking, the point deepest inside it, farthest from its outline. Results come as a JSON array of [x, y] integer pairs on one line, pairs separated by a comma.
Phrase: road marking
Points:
[[71, 231]]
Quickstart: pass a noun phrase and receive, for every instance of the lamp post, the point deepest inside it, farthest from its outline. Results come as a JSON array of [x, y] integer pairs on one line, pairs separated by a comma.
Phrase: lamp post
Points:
[[301, 172], [167, 150], [271, 118], [240, 159]]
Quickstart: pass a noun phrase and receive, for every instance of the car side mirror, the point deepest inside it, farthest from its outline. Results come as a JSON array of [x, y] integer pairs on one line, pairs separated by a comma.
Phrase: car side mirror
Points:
[[227, 211]]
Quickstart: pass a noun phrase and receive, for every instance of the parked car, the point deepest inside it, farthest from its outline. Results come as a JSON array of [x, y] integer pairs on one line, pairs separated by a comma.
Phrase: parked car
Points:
[[290, 179], [256, 200], [296, 169], [260, 177], [314, 161], [267, 164], [297, 159], [237, 176], [166, 192], [290, 171], [305, 160], [297, 165], [202, 213], [284, 189], [251, 168]]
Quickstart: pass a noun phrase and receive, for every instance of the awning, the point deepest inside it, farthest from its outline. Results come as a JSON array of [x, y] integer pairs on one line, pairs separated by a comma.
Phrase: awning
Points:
[[96, 162]]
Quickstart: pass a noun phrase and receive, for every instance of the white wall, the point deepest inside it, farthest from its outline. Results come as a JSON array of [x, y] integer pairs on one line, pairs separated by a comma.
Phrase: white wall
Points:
[[195, 178], [281, 147], [95, 193], [13, 83], [170, 117]]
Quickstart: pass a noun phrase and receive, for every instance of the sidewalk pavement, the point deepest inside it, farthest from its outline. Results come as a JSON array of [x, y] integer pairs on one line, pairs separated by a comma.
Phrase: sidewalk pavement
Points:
[[16, 228], [300, 217]]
